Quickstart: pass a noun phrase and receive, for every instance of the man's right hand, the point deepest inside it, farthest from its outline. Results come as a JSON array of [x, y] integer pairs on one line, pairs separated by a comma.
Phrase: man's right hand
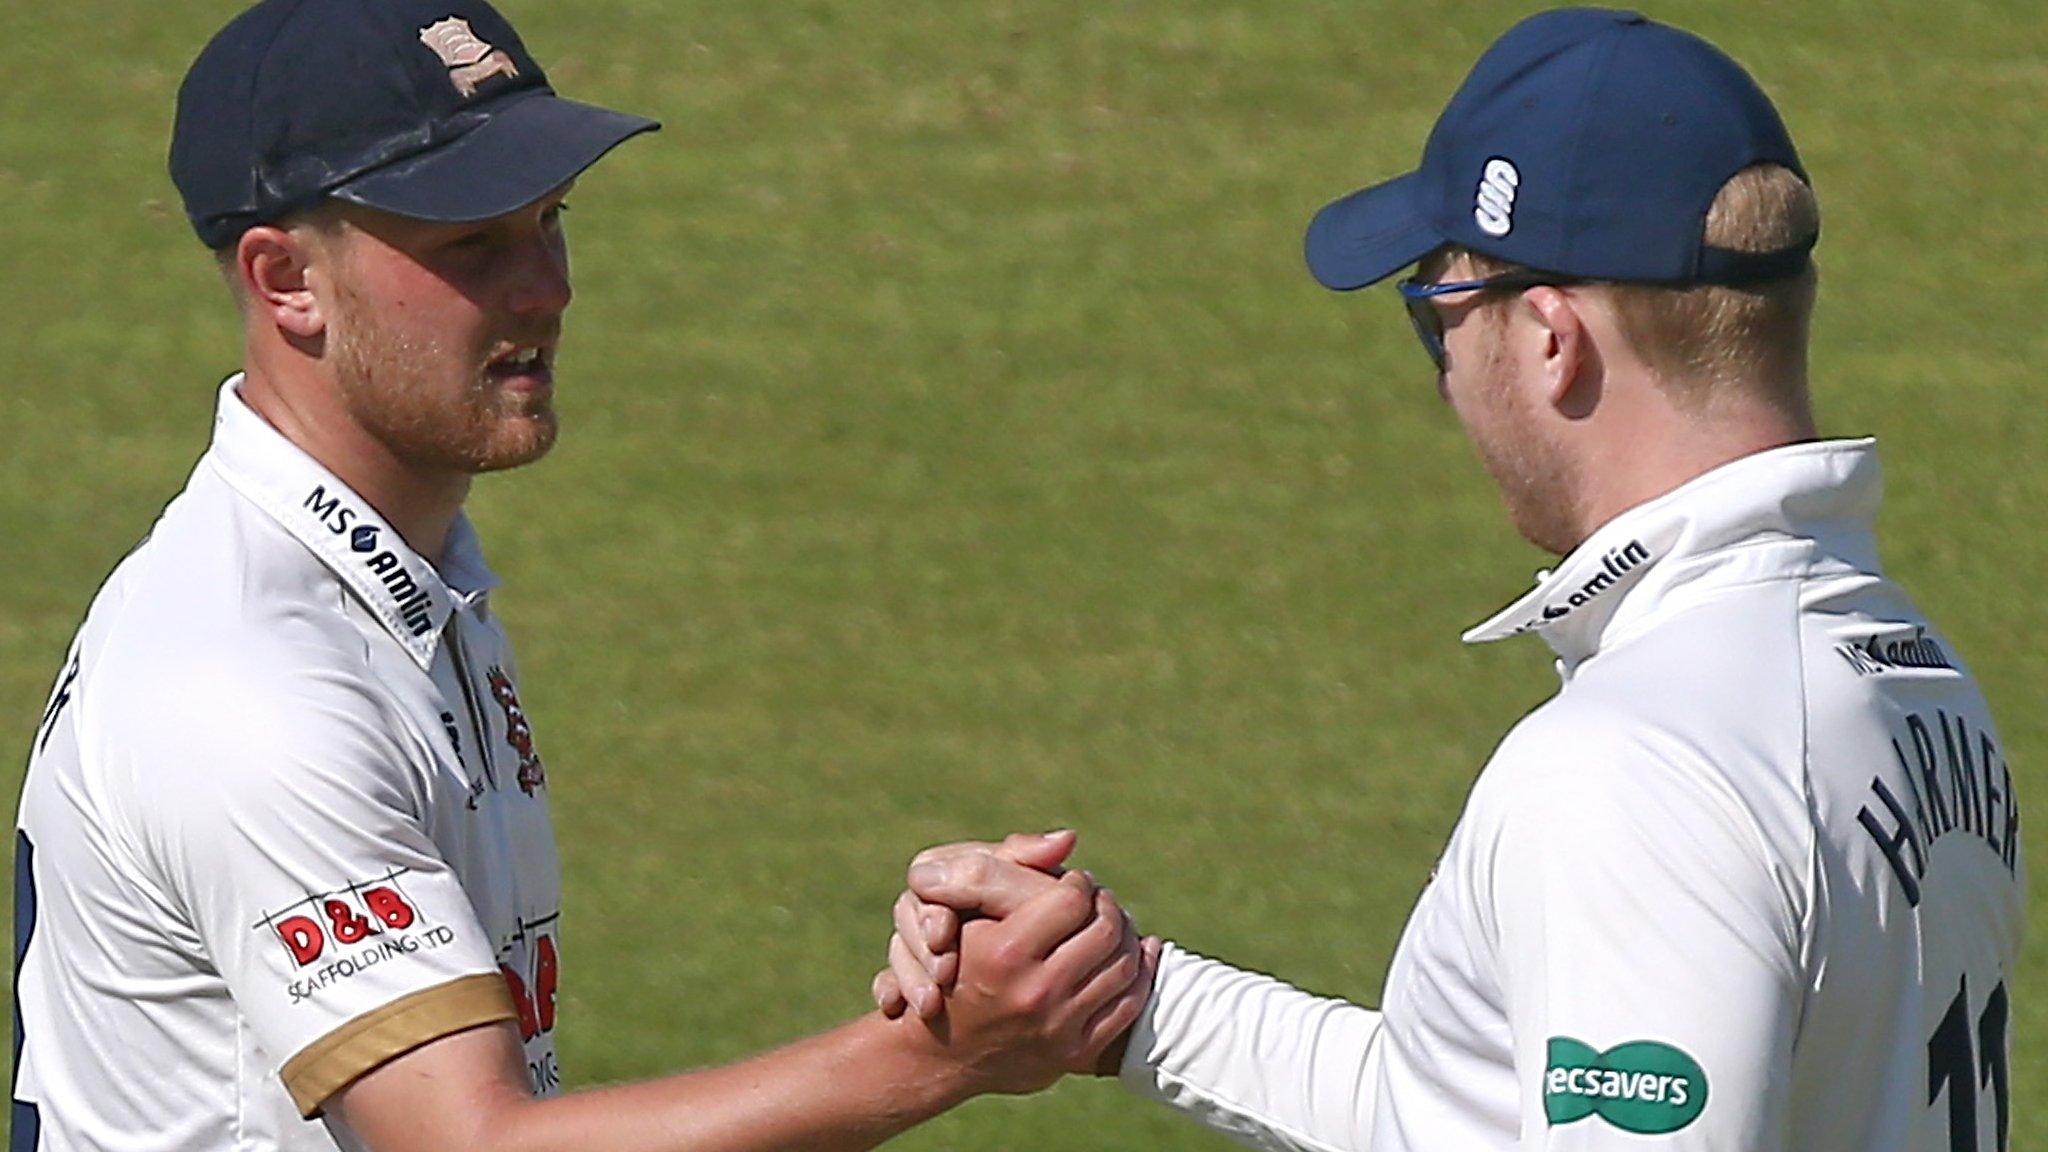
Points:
[[970, 877], [1044, 990], [975, 880]]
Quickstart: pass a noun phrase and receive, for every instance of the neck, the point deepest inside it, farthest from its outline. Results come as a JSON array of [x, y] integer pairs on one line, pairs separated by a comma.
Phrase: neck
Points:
[[1631, 470], [307, 409]]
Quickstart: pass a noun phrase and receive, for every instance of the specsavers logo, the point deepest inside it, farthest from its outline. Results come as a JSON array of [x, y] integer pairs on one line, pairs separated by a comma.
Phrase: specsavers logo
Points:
[[1643, 1086]]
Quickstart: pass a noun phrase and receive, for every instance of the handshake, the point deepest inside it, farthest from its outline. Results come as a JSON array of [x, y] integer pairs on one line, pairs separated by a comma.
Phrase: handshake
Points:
[[1019, 969]]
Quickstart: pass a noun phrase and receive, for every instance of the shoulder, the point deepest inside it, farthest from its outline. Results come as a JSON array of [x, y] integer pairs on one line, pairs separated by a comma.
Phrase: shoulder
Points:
[[1731, 659], [227, 738], [1707, 709], [1587, 773], [1578, 753], [1591, 815], [220, 612], [229, 657], [257, 756]]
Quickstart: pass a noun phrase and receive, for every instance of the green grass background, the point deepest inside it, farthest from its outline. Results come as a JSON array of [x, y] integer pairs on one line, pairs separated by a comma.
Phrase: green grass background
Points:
[[955, 444]]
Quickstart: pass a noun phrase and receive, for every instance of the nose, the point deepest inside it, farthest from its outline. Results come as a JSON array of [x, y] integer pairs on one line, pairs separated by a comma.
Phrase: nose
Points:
[[541, 287]]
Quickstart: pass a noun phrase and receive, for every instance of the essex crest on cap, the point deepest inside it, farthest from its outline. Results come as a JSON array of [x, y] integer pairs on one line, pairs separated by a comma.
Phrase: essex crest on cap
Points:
[[469, 59]]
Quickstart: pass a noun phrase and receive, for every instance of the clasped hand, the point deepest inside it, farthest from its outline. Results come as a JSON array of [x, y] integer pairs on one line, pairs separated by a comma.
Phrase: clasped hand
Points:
[[1027, 969]]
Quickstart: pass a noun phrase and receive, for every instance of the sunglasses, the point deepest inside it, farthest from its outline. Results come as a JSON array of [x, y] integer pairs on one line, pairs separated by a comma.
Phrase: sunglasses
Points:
[[1429, 321]]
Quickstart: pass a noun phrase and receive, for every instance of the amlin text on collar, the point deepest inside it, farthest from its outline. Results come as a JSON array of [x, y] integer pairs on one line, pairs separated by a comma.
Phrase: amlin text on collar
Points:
[[414, 603], [1618, 563]]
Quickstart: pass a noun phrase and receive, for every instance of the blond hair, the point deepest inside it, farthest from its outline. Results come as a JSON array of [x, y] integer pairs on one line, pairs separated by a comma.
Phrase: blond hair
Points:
[[1709, 340]]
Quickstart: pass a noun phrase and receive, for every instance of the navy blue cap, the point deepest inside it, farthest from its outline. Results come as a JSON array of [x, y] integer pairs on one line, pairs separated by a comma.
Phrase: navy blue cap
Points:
[[431, 109], [1586, 142]]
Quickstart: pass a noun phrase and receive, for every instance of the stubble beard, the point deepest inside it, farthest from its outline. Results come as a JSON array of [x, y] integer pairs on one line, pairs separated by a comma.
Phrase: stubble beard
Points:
[[395, 386], [1537, 478]]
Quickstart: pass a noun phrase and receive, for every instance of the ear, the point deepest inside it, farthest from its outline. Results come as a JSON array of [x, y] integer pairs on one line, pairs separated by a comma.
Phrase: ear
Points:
[[1567, 351], [275, 265]]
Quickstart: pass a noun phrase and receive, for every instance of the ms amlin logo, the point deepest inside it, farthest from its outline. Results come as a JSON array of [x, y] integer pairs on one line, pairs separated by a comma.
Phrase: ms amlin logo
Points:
[[1642, 1086]]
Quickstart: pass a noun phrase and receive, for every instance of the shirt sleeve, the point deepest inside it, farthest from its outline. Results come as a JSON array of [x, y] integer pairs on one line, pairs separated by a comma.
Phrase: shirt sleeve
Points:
[[1255, 1059], [1649, 947], [289, 827]]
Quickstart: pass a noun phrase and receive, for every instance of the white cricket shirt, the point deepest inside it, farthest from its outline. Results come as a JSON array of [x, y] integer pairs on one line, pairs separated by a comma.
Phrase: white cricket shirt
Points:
[[1751, 880], [283, 820]]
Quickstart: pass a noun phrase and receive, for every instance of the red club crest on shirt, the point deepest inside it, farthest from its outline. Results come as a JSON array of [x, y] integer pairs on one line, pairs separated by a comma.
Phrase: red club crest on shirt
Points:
[[518, 732]]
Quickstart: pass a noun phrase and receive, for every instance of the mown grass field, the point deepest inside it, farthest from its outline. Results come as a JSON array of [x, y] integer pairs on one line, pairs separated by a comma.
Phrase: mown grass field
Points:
[[955, 444]]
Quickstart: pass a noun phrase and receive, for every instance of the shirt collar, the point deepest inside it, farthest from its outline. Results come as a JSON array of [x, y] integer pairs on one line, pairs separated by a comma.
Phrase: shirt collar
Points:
[[1816, 503], [404, 592]]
